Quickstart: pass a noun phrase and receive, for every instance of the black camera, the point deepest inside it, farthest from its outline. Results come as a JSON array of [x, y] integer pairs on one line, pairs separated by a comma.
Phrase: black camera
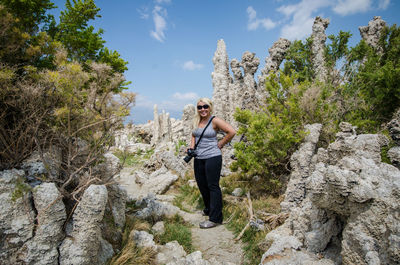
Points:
[[190, 154]]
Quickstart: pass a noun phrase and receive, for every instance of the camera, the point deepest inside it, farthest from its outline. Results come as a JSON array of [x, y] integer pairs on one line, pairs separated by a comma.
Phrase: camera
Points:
[[190, 154]]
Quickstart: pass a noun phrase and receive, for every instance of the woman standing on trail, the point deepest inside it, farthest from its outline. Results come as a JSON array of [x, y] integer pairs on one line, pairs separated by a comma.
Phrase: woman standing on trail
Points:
[[208, 159]]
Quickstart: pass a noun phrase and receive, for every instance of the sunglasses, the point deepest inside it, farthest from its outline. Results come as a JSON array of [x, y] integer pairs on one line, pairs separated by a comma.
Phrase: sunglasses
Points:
[[199, 107]]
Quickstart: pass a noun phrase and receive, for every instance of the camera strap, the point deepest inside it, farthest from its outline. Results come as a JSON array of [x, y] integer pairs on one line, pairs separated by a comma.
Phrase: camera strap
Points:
[[203, 132]]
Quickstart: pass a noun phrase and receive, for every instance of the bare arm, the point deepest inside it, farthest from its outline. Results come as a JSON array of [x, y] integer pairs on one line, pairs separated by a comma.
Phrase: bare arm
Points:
[[192, 142], [225, 127]]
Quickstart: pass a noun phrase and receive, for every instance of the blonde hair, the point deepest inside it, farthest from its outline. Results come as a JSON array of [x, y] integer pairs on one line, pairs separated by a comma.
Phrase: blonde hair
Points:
[[197, 117]]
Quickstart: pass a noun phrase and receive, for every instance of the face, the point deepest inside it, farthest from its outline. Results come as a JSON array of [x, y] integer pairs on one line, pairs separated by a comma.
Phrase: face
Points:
[[203, 109]]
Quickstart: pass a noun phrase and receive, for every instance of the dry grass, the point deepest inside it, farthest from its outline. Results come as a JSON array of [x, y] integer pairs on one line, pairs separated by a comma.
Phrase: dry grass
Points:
[[131, 254]]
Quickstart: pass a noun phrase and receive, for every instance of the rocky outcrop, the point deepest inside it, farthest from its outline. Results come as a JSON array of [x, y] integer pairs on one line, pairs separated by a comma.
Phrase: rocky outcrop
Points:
[[372, 33], [342, 201], [318, 37], [16, 215], [221, 80], [276, 55], [82, 244], [51, 215], [189, 112], [247, 97]]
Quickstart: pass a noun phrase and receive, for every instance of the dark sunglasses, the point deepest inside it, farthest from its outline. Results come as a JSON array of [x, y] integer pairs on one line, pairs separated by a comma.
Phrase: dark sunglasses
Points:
[[203, 107]]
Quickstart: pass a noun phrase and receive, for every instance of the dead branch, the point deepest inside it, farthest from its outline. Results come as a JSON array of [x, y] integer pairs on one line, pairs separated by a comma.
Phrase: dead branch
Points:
[[251, 216]]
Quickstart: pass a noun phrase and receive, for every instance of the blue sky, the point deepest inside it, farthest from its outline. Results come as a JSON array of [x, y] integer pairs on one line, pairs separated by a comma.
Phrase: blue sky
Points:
[[169, 44]]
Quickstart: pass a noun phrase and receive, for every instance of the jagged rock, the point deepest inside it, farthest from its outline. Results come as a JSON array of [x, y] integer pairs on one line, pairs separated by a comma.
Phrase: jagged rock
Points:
[[394, 156], [155, 209], [158, 182], [394, 127], [170, 252], [189, 112], [43, 247], [143, 239], [247, 97], [318, 47], [16, 214], [221, 80], [37, 166], [106, 252], [158, 228], [194, 258], [276, 55], [117, 198], [372, 33], [300, 162], [83, 244], [348, 203]]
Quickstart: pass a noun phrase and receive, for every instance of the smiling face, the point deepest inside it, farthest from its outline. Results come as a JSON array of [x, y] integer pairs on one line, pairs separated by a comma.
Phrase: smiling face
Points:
[[203, 109]]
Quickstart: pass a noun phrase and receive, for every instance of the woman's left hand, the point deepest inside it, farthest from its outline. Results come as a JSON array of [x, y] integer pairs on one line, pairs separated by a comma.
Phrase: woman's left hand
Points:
[[220, 145]]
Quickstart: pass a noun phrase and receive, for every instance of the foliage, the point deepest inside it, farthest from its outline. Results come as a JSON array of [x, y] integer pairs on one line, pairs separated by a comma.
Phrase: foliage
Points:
[[54, 100], [271, 134], [298, 60], [376, 81], [337, 49], [20, 189]]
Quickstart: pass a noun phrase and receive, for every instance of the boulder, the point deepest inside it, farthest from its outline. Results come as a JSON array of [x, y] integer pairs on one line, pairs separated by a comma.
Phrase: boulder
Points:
[[82, 246]]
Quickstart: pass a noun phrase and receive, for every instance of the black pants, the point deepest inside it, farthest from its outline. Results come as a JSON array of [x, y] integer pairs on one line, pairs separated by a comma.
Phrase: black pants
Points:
[[207, 173]]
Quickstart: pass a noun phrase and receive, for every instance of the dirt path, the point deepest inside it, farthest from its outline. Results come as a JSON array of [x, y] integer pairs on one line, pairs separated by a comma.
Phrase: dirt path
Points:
[[215, 243]]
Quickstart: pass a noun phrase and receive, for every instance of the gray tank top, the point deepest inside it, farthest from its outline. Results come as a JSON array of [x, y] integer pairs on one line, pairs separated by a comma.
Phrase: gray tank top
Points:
[[208, 146]]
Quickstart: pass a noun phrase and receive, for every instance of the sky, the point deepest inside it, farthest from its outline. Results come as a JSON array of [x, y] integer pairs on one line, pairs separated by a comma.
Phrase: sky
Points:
[[169, 44]]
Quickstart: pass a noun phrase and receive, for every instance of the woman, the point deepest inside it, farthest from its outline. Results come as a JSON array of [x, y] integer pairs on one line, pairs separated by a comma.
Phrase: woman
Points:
[[208, 162]]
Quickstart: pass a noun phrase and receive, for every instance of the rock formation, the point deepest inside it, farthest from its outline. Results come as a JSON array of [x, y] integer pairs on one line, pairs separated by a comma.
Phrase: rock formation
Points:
[[221, 80], [318, 47], [372, 33], [187, 122], [272, 63], [83, 243], [342, 201], [247, 97]]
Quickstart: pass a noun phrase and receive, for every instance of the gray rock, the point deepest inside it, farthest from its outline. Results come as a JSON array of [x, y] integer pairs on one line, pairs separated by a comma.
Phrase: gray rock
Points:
[[277, 53], [394, 156], [154, 209], [143, 239], [106, 252], [394, 127], [318, 47], [194, 258], [16, 215], [169, 253], [221, 80], [43, 247], [158, 228], [372, 33], [117, 198], [83, 245]]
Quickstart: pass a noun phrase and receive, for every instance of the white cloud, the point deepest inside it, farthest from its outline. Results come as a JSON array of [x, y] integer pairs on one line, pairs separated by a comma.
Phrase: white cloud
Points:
[[191, 66], [302, 17], [383, 4], [160, 24], [254, 22], [185, 96], [163, 1], [347, 7]]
